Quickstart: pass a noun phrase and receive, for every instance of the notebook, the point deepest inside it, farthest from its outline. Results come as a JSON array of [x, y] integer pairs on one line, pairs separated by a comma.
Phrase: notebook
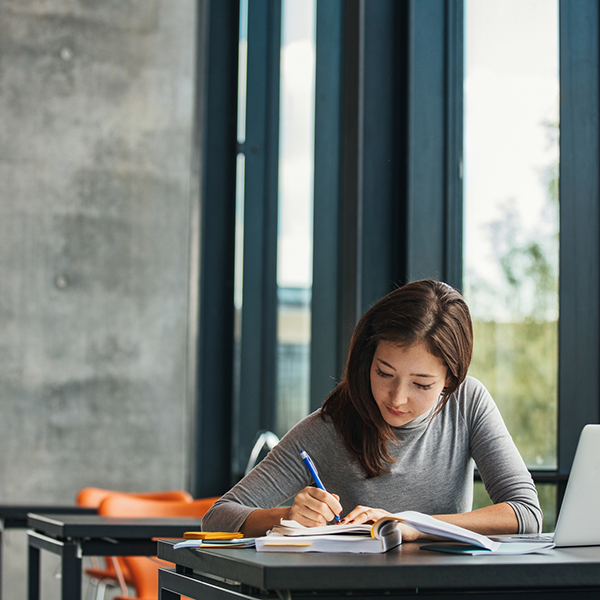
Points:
[[578, 522]]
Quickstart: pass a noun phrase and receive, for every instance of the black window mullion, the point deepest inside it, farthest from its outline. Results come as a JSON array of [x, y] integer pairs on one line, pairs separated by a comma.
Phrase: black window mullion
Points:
[[351, 169], [214, 153], [255, 405], [579, 355], [378, 218], [370, 235], [453, 143], [326, 362], [434, 132]]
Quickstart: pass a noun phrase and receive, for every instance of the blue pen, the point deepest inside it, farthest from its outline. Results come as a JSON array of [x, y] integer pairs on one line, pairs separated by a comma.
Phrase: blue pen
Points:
[[313, 471]]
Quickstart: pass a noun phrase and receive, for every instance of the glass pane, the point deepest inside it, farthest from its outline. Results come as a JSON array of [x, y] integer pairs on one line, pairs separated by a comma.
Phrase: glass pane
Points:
[[294, 269], [547, 496], [511, 212], [240, 176]]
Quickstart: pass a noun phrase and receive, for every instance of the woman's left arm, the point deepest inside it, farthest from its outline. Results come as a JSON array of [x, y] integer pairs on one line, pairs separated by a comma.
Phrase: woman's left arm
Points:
[[490, 520], [503, 472]]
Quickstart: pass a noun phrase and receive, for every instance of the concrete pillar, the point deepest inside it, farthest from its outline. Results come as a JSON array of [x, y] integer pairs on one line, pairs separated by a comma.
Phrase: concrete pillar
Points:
[[96, 119]]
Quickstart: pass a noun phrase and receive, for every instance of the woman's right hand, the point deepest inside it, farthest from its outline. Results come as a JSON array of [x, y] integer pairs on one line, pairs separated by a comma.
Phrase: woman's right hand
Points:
[[314, 507]]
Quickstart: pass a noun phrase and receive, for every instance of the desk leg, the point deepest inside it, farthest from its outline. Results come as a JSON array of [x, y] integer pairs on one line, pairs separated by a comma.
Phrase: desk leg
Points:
[[183, 570], [71, 572], [33, 581], [163, 593]]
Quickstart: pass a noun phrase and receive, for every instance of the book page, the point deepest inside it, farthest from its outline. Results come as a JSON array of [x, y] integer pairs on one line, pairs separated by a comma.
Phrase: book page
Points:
[[287, 527], [432, 526]]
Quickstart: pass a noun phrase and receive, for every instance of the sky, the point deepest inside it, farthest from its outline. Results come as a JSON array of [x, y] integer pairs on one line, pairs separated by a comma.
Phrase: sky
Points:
[[511, 95], [296, 143]]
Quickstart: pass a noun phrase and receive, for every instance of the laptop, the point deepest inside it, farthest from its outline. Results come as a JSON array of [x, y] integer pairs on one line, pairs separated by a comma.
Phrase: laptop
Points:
[[578, 522]]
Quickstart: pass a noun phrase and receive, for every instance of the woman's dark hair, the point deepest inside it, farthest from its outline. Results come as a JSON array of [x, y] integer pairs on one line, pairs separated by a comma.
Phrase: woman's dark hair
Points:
[[424, 311]]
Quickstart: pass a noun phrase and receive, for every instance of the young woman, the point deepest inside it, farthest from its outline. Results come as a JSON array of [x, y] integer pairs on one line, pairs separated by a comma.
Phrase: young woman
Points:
[[401, 431]]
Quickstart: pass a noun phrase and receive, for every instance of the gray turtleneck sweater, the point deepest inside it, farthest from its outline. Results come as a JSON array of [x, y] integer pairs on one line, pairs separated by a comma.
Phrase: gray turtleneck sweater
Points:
[[432, 472]]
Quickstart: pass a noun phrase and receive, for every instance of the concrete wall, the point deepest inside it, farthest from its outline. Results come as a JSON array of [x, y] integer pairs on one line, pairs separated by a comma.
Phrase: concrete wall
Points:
[[96, 116]]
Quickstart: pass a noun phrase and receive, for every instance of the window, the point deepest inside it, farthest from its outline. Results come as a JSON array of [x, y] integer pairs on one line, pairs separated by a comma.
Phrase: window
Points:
[[294, 255], [511, 253], [274, 202], [388, 206]]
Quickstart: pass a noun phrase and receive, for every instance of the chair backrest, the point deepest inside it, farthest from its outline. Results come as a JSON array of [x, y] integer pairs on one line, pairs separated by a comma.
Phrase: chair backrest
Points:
[[93, 496], [264, 439], [144, 576], [144, 570], [126, 505]]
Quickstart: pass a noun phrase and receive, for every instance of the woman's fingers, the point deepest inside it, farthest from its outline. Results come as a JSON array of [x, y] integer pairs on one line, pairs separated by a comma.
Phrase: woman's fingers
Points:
[[314, 507], [364, 514]]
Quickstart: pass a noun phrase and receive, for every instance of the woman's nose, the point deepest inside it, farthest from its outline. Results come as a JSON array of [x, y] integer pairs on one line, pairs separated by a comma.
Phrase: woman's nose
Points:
[[400, 395]]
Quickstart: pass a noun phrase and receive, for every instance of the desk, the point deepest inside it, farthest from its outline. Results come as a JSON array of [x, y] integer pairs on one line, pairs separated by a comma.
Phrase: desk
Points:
[[76, 536], [405, 571], [14, 516]]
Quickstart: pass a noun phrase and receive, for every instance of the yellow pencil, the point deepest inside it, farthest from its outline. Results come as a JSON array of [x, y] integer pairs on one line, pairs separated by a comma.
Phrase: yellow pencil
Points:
[[212, 535]]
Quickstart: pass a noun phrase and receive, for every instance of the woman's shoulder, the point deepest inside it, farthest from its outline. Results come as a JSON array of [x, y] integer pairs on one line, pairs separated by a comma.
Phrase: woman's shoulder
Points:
[[474, 400], [472, 389], [316, 423], [313, 419], [316, 434]]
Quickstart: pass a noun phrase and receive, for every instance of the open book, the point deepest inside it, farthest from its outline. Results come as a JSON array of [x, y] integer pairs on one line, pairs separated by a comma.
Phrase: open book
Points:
[[470, 542], [383, 535], [330, 538]]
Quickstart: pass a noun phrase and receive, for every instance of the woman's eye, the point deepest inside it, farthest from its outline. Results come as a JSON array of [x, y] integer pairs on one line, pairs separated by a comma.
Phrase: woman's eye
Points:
[[381, 373], [423, 386]]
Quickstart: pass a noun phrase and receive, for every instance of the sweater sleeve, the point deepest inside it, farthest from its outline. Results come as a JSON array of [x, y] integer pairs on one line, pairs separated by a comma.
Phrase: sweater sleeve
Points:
[[503, 471], [277, 478]]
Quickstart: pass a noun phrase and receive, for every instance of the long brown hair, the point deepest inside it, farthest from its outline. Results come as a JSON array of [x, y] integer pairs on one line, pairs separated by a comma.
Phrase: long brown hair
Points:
[[422, 311]]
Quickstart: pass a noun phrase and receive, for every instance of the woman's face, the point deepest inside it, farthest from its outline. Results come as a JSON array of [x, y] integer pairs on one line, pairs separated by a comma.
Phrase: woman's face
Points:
[[406, 381]]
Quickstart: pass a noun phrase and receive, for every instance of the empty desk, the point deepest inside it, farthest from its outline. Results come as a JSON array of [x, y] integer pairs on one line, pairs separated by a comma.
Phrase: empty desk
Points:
[[75, 536], [14, 516]]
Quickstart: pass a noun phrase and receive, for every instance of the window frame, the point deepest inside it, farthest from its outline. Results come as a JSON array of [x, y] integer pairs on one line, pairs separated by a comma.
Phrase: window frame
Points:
[[579, 192], [388, 201]]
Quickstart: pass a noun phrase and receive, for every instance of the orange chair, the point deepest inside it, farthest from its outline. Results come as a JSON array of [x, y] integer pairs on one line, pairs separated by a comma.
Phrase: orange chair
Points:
[[112, 574], [93, 496], [144, 570]]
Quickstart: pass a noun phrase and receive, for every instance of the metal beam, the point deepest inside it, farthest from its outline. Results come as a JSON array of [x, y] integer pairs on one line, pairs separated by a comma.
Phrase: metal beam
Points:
[[215, 152], [255, 402], [579, 293]]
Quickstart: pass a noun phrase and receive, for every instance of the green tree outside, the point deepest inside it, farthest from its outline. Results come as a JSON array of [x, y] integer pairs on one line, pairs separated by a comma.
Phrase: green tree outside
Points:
[[515, 320]]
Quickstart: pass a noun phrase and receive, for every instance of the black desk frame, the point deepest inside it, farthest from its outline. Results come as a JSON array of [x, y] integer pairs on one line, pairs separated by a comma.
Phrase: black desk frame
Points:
[[14, 516], [74, 536], [172, 584], [72, 552]]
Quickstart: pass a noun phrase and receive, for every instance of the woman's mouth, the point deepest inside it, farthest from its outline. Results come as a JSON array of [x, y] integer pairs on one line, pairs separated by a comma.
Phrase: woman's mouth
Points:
[[396, 413]]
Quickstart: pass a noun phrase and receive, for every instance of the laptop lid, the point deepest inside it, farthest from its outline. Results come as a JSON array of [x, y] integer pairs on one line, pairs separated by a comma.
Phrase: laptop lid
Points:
[[578, 523]]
